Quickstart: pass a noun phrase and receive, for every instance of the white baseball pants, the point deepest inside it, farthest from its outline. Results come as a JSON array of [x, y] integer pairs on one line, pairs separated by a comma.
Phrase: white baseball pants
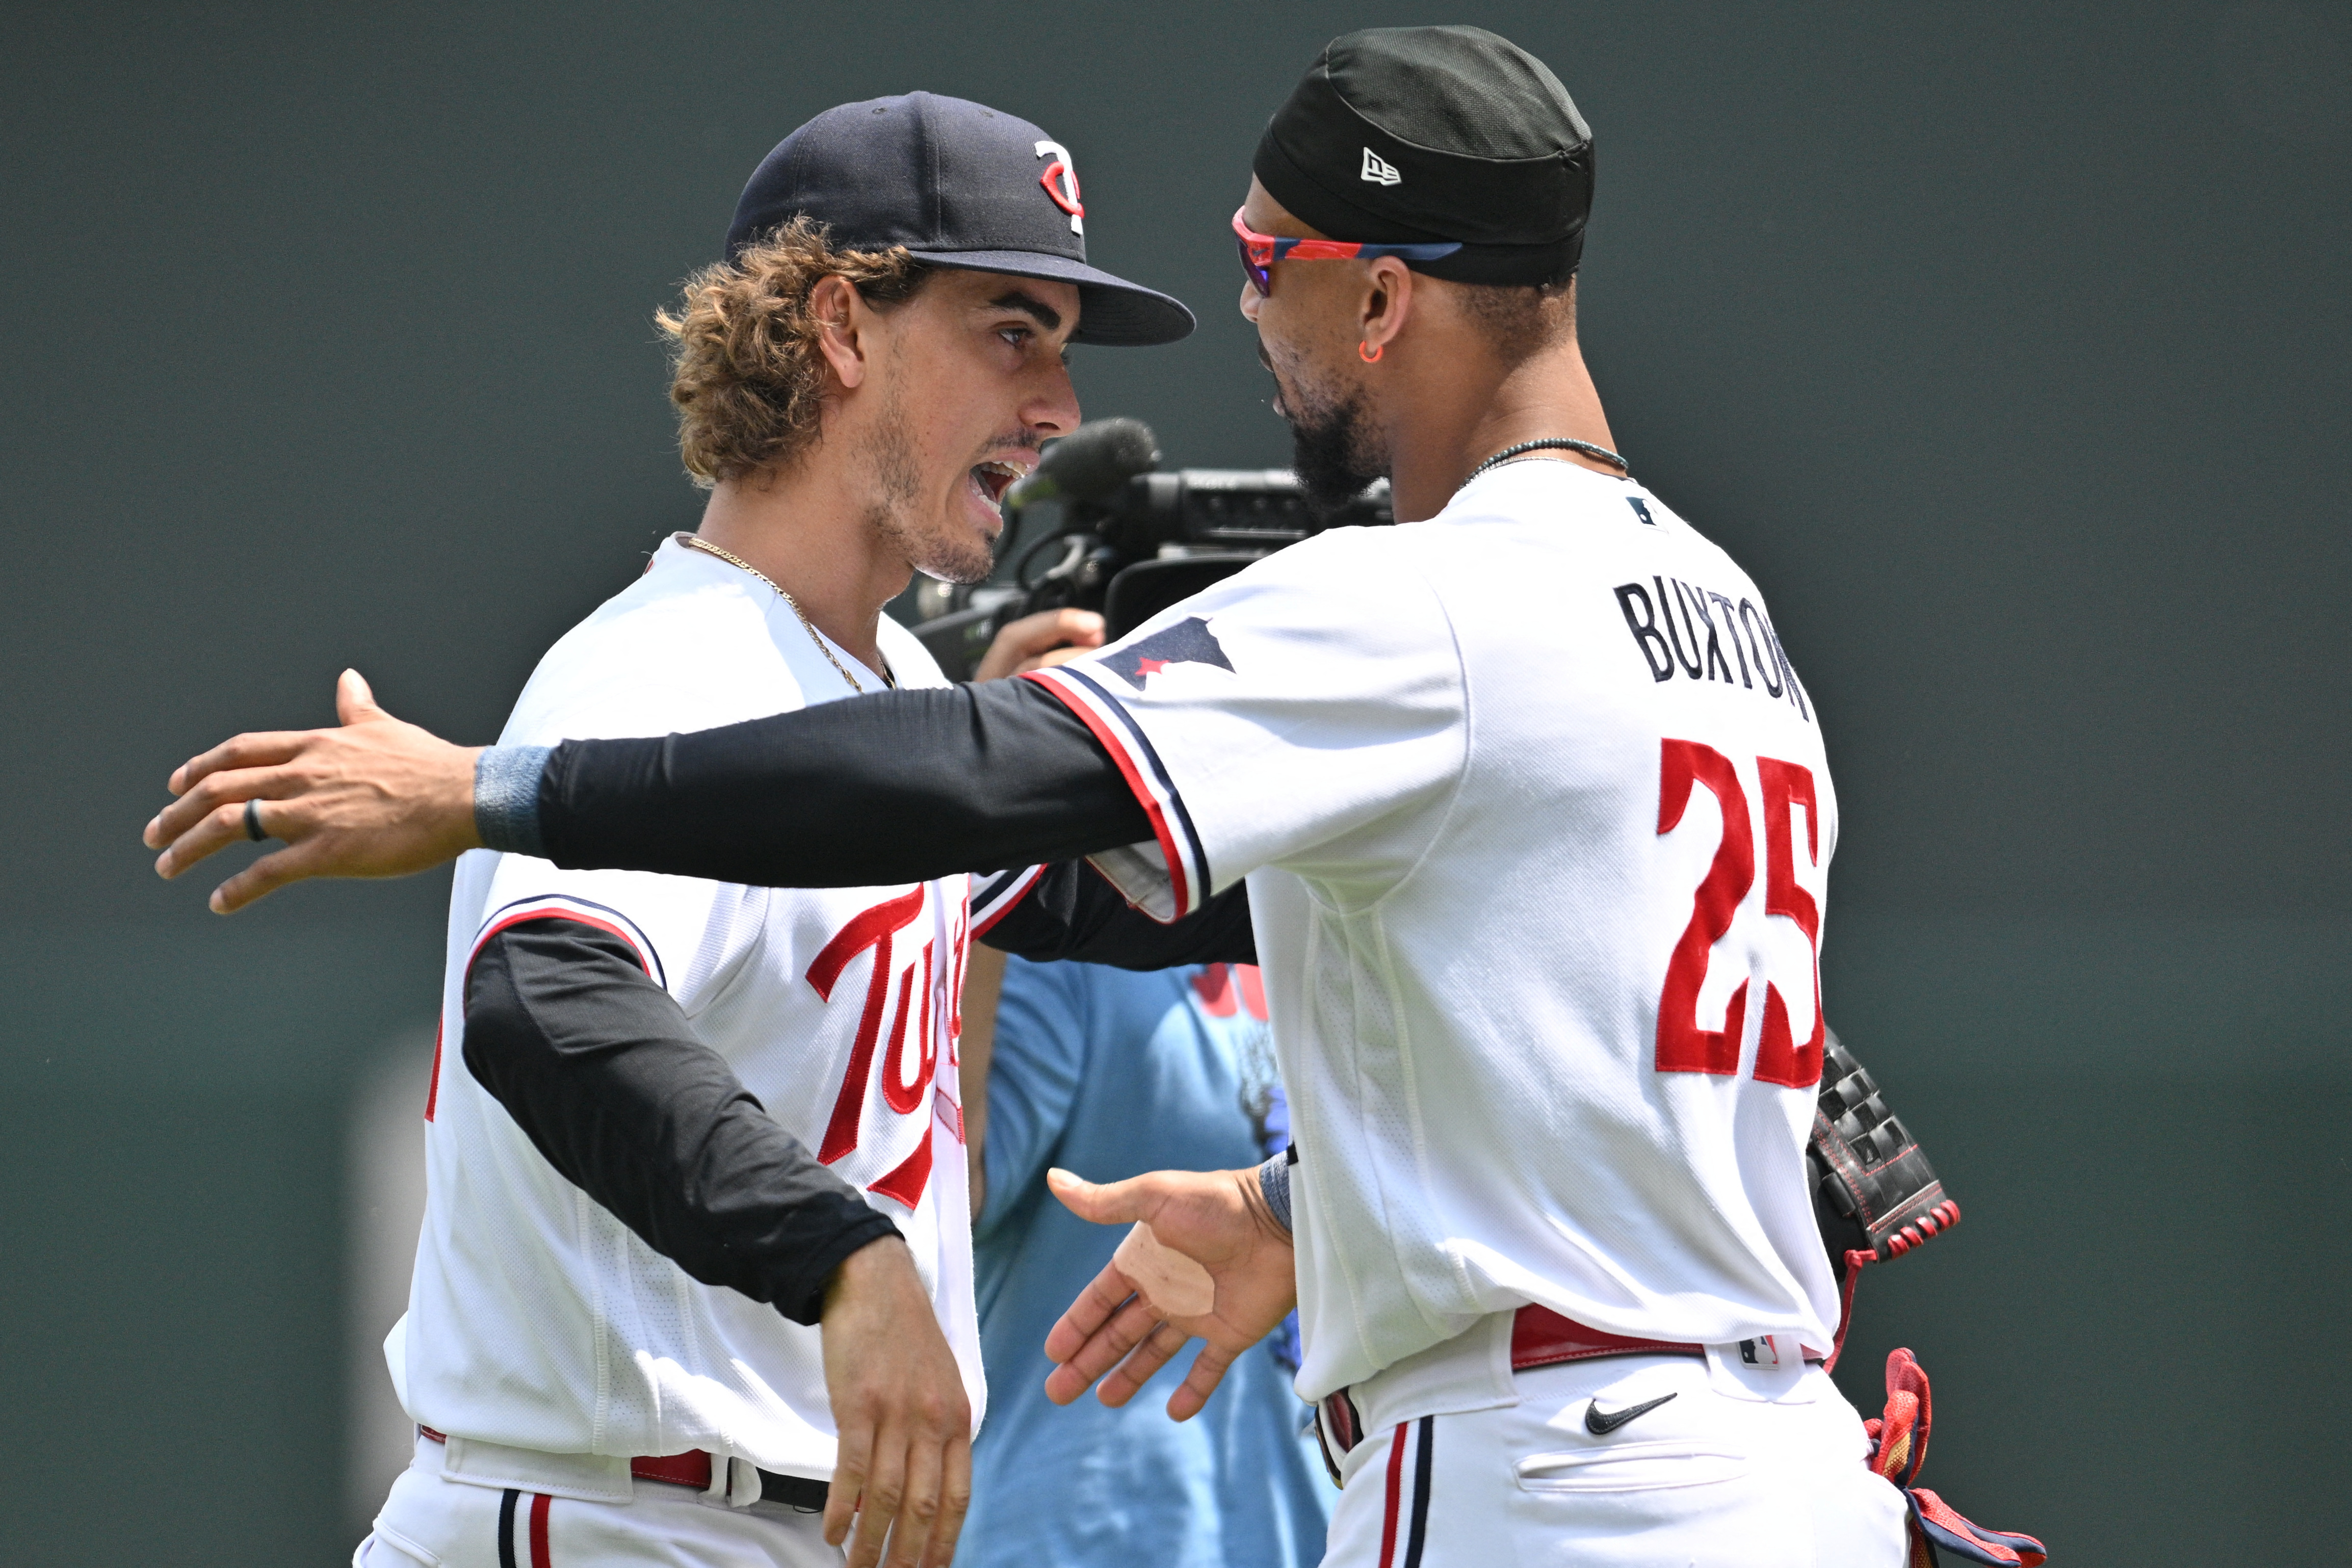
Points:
[[1710, 1478], [432, 1520]]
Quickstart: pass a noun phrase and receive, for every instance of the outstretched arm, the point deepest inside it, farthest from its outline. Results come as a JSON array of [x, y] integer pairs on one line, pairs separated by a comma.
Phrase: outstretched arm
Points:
[[896, 787], [377, 798]]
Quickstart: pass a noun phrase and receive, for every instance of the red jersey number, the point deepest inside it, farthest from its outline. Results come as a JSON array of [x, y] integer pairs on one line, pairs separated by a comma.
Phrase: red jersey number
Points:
[[1778, 1057], [1683, 1046], [1685, 766]]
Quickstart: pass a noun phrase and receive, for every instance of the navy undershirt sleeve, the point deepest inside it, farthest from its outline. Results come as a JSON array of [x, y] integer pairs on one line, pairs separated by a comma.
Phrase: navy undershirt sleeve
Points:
[[894, 787], [600, 1068], [1072, 911]]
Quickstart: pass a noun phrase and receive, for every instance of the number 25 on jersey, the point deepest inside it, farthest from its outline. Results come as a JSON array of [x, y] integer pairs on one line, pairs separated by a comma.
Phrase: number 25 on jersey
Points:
[[1683, 1046]]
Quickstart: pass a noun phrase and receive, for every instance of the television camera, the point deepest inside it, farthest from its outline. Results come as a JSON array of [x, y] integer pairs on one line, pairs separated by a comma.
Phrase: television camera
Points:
[[1130, 540]]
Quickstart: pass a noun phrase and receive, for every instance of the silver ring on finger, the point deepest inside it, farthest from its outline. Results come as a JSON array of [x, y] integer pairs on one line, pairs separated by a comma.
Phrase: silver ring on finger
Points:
[[253, 828]]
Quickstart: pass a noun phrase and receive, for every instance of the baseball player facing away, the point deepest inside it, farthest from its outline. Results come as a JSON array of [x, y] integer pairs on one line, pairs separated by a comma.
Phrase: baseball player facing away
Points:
[[1536, 882], [696, 1235]]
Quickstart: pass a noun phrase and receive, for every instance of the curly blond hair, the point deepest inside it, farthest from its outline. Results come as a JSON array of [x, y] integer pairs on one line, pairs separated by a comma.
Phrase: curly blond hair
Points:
[[746, 373]]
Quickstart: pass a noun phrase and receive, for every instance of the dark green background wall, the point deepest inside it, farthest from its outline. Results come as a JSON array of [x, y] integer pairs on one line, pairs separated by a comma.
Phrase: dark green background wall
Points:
[[2006, 345]]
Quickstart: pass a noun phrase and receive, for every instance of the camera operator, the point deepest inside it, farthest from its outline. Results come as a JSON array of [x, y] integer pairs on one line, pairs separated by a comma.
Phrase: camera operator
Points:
[[1114, 1073], [1538, 899]]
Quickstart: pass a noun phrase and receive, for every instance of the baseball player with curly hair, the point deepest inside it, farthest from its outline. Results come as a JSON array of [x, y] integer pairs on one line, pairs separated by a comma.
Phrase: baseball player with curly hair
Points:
[[1535, 880], [695, 1280]]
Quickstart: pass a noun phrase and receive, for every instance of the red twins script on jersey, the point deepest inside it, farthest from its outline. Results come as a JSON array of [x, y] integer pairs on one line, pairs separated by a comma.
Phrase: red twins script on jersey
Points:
[[910, 1055]]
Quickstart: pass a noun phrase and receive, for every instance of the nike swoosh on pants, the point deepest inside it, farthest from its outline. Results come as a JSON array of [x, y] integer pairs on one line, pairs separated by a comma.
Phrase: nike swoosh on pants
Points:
[[1600, 1426]]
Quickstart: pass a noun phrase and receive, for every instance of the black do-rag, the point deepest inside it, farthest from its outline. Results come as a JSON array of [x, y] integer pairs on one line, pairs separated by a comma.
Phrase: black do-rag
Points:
[[1410, 135]]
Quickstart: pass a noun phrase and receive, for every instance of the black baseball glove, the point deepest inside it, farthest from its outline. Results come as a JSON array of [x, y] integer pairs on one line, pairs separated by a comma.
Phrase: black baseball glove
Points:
[[1873, 1191]]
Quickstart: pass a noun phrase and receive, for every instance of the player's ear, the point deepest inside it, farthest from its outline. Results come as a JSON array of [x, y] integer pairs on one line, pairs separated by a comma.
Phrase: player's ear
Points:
[[842, 319], [1387, 304]]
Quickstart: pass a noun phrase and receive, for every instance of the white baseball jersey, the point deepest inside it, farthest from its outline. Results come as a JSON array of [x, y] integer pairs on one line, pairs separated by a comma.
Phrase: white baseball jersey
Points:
[[536, 1319], [1536, 823]]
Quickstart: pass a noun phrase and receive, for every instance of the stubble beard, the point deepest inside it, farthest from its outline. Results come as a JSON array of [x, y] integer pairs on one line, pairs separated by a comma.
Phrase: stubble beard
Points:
[[942, 550]]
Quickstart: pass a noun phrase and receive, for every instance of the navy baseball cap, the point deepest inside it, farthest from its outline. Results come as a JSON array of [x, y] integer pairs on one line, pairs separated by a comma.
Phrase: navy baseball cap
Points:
[[959, 184]]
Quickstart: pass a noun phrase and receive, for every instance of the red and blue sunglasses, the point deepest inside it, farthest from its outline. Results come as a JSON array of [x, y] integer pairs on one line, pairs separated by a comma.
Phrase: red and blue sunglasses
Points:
[[1261, 251]]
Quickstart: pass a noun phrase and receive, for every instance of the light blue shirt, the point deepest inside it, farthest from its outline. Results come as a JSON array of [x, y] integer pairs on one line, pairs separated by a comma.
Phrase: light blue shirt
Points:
[[1112, 1074]]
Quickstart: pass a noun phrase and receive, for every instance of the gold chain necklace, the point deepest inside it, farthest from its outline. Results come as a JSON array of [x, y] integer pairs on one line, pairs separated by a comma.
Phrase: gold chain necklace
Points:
[[696, 542]]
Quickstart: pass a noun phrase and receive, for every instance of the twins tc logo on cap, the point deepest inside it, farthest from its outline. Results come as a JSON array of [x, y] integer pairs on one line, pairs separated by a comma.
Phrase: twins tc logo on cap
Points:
[[1379, 169], [1061, 182]]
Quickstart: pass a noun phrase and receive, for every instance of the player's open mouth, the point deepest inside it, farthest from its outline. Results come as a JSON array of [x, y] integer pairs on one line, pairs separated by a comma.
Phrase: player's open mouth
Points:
[[994, 477]]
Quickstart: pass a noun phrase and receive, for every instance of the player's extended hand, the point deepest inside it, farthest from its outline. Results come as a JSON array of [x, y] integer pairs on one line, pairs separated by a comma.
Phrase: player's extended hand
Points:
[[374, 798], [899, 1407], [1216, 1218], [1040, 641]]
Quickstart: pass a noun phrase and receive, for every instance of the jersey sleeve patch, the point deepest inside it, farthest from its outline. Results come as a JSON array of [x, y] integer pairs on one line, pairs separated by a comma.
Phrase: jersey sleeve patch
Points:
[[1189, 641], [1186, 865], [568, 907]]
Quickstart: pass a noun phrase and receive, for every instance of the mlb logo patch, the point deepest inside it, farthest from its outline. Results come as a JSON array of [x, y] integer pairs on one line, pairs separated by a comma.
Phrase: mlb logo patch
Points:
[[1379, 169]]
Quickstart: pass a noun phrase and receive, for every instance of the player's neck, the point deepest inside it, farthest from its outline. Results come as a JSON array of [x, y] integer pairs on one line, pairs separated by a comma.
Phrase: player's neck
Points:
[[1443, 426], [813, 536]]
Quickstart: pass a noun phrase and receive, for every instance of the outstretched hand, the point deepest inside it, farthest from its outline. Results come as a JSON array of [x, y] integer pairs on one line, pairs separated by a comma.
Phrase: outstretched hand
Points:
[[1216, 1218], [376, 797]]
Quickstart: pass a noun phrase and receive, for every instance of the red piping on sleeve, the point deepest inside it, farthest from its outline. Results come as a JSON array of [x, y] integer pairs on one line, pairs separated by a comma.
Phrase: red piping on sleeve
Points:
[[1116, 746]]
